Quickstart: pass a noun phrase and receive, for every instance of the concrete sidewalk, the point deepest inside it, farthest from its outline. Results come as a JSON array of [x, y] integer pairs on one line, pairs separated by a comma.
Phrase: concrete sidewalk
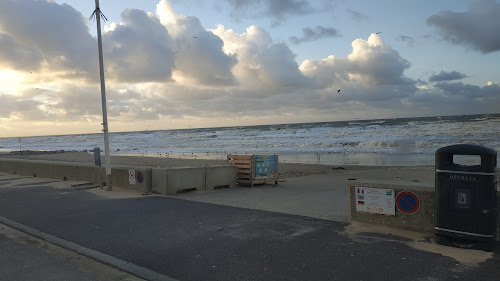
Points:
[[190, 240], [322, 196], [319, 196], [26, 257]]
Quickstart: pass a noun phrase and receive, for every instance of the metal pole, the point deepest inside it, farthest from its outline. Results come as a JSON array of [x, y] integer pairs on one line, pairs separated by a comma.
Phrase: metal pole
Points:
[[103, 98]]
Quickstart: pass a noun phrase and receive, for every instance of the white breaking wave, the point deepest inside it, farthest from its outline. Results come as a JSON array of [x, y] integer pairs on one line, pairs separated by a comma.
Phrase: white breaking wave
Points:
[[381, 137]]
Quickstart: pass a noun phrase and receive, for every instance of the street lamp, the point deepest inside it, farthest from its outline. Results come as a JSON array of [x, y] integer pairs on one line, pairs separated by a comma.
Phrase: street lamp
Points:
[[97, 13]]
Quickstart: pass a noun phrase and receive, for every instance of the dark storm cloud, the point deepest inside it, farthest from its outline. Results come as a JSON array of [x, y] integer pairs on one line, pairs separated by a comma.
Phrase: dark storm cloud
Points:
[[308, 34], [446, 76], [467, 90], [476, 28]]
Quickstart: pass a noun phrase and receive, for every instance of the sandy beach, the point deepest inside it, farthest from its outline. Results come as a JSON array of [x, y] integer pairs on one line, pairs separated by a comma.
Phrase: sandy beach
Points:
[[424, 174]]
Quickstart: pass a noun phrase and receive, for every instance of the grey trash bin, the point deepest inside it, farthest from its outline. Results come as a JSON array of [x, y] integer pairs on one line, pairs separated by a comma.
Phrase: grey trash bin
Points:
[[466, 196]]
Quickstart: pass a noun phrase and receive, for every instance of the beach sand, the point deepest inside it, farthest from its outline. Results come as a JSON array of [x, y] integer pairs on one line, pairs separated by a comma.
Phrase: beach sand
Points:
[[424, 174]]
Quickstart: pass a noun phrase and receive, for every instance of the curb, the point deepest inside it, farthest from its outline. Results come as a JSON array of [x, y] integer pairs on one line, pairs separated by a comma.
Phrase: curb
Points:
[[128, 267]]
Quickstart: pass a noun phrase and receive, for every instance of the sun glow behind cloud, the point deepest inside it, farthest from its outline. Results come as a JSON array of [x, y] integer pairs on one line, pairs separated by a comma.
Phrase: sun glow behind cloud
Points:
[[165, 70]]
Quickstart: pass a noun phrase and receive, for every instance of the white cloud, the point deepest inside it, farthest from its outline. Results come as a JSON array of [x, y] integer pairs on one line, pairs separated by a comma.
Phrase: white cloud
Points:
[[372, 63], [168, 70], [138, 49], [261, 62], [58, 31], [198, 53]]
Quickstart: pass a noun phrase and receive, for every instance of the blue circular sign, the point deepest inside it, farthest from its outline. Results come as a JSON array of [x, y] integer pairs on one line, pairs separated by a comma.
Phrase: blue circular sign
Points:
[[140, 177], [407, 202]]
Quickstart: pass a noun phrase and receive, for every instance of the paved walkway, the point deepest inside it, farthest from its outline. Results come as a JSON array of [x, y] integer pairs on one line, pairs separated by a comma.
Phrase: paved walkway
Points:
[[25, 257], [192, 240]]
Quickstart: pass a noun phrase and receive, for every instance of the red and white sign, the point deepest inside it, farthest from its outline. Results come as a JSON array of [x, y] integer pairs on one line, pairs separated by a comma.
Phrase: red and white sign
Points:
[[408, 202], [131, 176]]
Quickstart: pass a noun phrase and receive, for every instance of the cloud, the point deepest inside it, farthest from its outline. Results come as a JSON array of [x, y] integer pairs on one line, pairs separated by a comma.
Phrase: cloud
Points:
[[277, 9], [18, 56], [357, 16], [406, 39], [320, 32], [476, 28], [59, 32], [371, 63], [451, 98], [261, 62], [139, 49], [199, 54], [168, 71], [17, 108], [446, 76], [467, 90]]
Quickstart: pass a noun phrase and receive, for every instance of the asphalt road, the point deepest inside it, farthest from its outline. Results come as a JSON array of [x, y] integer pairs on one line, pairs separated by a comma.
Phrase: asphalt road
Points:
[[189, 240]]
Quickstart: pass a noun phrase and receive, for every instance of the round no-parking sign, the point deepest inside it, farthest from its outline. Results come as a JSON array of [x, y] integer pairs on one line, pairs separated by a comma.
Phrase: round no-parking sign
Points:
[[140, 177], [407, 202]]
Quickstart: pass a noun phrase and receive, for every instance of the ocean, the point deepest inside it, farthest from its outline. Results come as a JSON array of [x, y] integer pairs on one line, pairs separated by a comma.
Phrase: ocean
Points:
[[400, 141]]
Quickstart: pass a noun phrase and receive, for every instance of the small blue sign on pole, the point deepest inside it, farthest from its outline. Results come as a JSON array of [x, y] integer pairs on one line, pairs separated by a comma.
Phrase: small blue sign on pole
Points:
[[97, 156]]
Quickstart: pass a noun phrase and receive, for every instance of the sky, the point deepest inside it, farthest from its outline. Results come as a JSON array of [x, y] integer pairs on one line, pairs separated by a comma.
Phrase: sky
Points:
[[212, 63]]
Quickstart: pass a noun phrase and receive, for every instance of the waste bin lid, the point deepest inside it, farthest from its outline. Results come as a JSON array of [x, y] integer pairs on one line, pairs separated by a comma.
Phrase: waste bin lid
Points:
[[444, 158]]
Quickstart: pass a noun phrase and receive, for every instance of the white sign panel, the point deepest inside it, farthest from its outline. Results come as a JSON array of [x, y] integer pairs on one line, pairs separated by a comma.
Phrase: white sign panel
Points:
[[375, 200], [131, 176]]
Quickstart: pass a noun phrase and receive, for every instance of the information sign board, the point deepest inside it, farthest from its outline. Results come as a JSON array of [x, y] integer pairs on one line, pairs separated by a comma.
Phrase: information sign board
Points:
[[265, 166], [375, 200]]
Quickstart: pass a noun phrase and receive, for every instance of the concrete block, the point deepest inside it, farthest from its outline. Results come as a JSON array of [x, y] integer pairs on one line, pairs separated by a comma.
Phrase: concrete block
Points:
[[423, 220], [12, 167], [184, 179], [93, 174], [63, 172], [217, 176], [120, 177], [159, 180]]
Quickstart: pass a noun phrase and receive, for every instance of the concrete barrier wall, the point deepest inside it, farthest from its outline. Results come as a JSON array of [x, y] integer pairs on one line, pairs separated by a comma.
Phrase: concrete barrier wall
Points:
[[185, 179], [164, 181], [220, 176], [423, 220], [175, 180], [52, 169], [120, 176], [159, 180]]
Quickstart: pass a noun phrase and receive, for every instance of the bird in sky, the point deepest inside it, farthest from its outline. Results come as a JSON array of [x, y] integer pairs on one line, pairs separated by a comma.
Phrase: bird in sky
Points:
[[338, 91]]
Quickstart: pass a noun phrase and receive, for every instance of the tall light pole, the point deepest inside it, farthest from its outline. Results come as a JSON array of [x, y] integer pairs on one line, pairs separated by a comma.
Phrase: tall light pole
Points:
[[97, 13]]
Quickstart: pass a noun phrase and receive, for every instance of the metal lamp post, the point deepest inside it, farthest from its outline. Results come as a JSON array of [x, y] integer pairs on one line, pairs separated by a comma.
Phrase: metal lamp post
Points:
[[97, 13]]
